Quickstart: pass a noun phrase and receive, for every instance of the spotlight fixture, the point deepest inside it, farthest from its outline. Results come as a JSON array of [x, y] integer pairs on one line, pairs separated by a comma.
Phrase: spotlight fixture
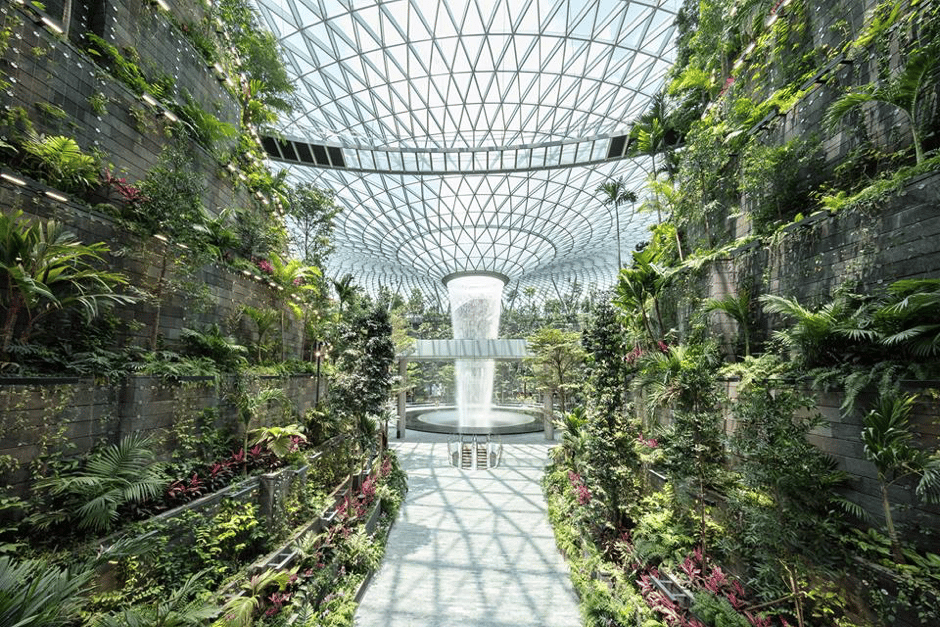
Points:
[[12, 179], [51, 25], [169, 115], [55, 196], [162, 4], [150, 100]]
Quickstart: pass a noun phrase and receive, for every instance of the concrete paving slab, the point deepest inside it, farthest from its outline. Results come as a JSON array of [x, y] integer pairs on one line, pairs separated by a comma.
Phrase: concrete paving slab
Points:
[[471, 547]]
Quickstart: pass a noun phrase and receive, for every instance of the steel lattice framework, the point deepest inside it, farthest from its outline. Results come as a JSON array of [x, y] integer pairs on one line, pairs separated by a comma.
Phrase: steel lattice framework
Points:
[[474, 133]]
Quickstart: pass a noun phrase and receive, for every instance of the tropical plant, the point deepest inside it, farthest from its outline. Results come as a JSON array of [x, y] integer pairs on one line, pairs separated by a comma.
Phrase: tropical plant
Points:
[[44, 268], [223, 350], [888, 444], [557, 361], [738, 308], [681, 376], [250, 406], [312, 210], [279, 440], [907, 91], [637, 295], [826, 335], [912, 320], [61, 162], [265, 321], [573, 438], [364, 381], [346, 291], [205, 128], [36, 593], [177, 610], [614, 194], [784, 506], [240, 610], [118, 475], [173, 193]]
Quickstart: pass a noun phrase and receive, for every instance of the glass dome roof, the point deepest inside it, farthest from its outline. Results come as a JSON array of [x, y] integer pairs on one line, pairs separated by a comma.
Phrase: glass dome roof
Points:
[[473, 133]]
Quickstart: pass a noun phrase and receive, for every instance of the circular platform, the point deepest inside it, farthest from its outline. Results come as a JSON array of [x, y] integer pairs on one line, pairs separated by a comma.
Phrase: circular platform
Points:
[[502, 420]]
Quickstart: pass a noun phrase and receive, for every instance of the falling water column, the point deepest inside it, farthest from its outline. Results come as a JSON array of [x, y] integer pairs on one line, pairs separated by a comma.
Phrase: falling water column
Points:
[[475, 301]]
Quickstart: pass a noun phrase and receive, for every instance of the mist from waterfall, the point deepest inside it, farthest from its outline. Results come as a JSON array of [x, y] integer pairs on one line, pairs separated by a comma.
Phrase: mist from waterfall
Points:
[[475, 302]]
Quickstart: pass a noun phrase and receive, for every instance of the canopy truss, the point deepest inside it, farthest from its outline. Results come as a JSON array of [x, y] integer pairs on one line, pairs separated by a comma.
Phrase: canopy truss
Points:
[[466, 135]]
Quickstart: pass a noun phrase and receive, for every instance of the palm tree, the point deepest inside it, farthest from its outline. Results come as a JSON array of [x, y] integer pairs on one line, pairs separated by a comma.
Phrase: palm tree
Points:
[[887, 438], [903, 92], [915, 318], [44, 268], [34, 592], [345, 291], [117, 475], [615, 193], [738, 308]]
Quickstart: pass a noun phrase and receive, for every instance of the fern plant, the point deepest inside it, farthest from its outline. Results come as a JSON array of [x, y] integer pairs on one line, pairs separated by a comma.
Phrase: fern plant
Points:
[[177, 610], [60, 161], [119, 475]]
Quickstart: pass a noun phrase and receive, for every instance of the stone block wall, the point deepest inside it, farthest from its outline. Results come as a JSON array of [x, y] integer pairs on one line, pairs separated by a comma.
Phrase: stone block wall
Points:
[[130, 135], [182, 305], [43, 417]]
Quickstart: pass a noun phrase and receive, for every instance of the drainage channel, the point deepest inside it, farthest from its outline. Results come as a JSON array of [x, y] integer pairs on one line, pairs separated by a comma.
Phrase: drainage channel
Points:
[[474, 452]]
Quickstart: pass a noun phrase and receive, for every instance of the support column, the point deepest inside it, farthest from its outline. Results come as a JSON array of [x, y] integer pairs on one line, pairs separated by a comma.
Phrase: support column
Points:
[[547, 415], [402, 396]]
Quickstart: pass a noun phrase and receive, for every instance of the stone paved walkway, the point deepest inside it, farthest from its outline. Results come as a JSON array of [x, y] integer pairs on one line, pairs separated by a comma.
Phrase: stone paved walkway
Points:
[[471, 548]]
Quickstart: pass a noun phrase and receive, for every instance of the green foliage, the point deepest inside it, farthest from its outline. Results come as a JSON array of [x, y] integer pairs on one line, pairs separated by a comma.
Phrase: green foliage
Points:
[[714, 611], [364, 381], [312, 211], [231, 538], [783, 508], [173, 193], [778, 180], [171, 366], [44, 268], [888, 443], [906, 92], [738, 308], [240, 610], [34, 592], [119, 475], [680, 376], [60, 162], [204, 127], [125, 69], [260, 237], [176, 610], [557, 361], [210, 343], [279, 440], [259, 51], [637, 295], [910, 318]]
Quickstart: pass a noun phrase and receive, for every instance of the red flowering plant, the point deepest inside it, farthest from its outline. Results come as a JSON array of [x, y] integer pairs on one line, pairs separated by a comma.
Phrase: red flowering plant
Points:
[[128, 194], [265, 266]]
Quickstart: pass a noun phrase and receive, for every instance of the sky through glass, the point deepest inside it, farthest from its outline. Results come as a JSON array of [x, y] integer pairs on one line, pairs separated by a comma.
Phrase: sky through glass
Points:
[[473, 132]]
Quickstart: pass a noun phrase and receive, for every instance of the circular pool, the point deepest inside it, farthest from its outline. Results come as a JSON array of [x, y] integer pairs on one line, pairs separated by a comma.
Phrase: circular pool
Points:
[[499, 420]]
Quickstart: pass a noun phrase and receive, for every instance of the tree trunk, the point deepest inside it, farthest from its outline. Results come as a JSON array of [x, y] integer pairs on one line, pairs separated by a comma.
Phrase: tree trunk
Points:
[[889, 522]]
